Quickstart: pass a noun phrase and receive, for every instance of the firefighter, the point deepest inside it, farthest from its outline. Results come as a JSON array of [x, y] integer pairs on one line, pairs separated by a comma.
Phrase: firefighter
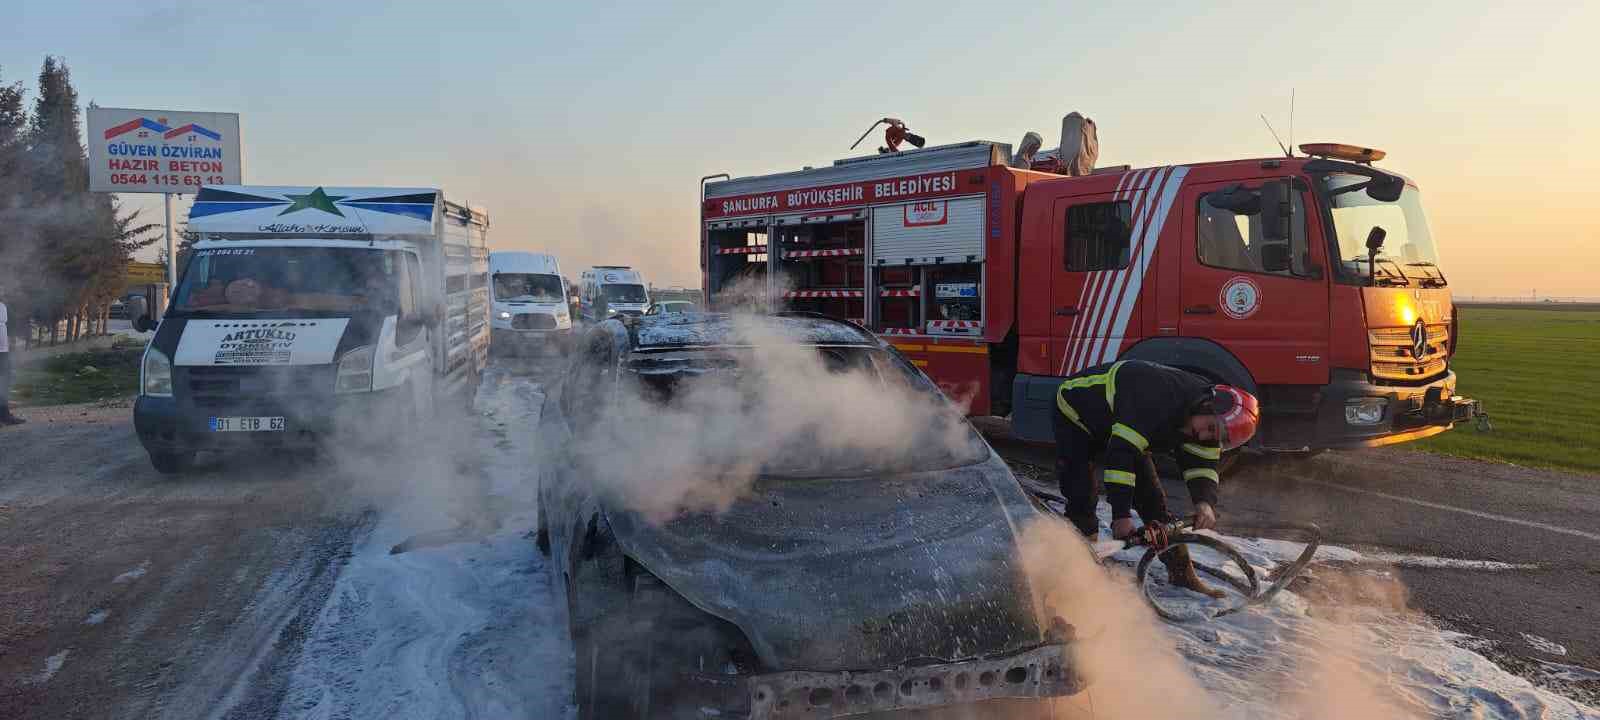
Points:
[[1115, 415]]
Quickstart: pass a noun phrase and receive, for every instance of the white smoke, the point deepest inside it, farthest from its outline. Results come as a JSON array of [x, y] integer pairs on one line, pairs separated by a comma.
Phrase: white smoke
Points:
[[693, 430]]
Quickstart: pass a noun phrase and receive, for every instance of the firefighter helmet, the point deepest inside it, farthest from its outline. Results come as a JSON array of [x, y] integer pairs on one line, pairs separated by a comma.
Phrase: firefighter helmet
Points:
[[1237, 413]]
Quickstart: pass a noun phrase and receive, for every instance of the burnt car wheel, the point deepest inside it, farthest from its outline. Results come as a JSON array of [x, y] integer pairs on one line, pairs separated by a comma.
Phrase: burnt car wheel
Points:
[[635, 642]]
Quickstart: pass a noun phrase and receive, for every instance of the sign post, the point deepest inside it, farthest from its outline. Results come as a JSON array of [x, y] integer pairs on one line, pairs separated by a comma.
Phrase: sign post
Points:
[[172, 255], [162, 151]]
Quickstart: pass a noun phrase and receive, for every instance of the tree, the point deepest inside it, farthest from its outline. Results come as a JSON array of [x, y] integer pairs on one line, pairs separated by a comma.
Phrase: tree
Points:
[[16, 248], [81, 241]]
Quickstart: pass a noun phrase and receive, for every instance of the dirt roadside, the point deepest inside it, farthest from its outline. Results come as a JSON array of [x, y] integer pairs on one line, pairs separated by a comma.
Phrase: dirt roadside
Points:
[[124, 588]]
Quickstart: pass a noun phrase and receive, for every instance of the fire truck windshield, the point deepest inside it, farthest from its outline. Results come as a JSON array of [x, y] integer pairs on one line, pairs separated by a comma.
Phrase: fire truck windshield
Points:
[[1408, 255]]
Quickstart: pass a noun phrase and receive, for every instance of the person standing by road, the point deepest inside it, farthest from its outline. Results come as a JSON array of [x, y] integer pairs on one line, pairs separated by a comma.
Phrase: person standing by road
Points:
[[1115, 415], [6, 418]]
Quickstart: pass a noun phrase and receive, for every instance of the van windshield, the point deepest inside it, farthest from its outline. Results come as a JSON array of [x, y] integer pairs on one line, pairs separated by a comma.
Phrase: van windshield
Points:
[[304, 279], [624, 293], [527, 287]]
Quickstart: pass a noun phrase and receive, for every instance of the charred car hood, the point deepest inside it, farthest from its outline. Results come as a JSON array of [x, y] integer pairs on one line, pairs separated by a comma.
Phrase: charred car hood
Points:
[[856, 573]]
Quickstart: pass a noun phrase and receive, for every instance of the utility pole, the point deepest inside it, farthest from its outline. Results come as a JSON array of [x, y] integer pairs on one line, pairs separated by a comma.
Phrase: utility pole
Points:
[[172, 256]]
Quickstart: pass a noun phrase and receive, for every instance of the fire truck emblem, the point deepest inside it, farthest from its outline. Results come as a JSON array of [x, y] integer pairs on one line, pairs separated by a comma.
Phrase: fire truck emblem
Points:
[[1419, 340], [1241, 297]]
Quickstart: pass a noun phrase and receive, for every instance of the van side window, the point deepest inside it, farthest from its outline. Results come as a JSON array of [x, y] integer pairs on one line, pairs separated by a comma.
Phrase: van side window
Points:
[[1098, 236], [1233, 239]]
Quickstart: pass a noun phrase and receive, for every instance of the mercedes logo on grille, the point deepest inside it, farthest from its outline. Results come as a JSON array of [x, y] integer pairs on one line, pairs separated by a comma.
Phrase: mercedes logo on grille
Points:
[[1419, 340]]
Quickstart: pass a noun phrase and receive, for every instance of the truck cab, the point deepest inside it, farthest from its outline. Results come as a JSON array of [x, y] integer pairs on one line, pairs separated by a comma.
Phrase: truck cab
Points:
[[528, 296], [306, 315], [1311, 282], [612, 290]]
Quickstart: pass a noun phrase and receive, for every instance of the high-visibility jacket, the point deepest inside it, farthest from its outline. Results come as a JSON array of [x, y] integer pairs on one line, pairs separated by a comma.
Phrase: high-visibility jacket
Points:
[[1133, 407]]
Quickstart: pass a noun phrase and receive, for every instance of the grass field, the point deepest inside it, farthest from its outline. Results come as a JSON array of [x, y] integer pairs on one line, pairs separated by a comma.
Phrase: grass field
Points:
[[80, 377], [1538, 372]]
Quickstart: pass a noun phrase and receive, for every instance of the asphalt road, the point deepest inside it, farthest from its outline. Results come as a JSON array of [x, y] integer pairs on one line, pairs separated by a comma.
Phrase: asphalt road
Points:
[[139, 595], [1505, 553]]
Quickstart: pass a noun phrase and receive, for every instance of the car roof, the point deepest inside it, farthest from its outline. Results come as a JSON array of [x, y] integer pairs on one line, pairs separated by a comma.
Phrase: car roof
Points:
[[680, 330]]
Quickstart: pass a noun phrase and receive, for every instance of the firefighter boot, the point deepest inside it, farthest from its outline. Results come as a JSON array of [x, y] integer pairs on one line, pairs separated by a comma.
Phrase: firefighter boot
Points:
[[1180, 572]]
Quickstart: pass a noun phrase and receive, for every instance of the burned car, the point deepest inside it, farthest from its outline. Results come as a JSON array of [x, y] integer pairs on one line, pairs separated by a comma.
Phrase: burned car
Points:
[[782, 517]]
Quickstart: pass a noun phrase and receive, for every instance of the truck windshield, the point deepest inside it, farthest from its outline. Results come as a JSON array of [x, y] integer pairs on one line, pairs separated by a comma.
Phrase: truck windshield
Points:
[[1408, 254], [302, 279], [624, 293], [527, 287]]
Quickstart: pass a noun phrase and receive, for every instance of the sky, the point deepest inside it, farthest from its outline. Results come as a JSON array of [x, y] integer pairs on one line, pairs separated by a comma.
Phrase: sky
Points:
[[584, 128]]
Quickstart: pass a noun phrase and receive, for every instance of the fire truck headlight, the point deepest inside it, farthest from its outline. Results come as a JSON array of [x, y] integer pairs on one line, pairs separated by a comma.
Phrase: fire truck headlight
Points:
[[505, 315], [1365, 411]]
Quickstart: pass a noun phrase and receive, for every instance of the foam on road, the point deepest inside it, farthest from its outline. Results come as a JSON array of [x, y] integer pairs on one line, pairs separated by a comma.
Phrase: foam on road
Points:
[[1345, 656], [463, 629]]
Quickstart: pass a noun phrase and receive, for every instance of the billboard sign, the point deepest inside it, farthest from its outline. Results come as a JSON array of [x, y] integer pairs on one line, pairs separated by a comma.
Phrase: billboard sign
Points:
[[161, 151], [143, 273]]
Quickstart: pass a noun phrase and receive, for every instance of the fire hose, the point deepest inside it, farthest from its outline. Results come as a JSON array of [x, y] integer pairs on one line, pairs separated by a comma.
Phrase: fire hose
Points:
[[1162, 538]]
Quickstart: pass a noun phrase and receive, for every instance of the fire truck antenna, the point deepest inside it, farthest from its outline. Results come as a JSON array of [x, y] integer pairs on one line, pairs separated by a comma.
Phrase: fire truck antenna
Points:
[[1275, 137], [1291, 122]]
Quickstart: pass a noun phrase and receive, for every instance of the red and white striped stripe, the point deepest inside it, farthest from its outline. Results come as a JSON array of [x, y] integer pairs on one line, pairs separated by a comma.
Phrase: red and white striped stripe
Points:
[[898, 331], [832, 252], [1107, 298], [955, 324], [824, 294], [745, 250], [907, 292]]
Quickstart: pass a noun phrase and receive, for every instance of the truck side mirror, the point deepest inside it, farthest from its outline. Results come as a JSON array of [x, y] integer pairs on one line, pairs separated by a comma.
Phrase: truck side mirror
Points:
[[139, 310], [1374, 246], [1276, 211], [1375, 239], [1385, 188], [1275, 257]]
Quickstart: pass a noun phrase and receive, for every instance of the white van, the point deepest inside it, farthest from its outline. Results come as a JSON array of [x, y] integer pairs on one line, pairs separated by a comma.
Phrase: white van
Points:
[[612, 290], [529, 296], [307, 313]]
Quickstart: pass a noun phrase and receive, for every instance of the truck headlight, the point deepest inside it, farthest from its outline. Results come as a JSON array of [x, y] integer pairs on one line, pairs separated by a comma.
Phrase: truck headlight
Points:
[[505, 315], [1365, 411], [155, 374], [611, 311], [355, 370]]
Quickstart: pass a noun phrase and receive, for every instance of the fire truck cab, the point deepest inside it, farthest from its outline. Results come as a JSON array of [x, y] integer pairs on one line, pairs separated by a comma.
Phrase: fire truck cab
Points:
[[1311, 281]]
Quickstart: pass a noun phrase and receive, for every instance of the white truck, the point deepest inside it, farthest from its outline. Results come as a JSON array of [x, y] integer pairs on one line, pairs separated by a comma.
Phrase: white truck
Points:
[[529, 310], [612, 290], [310, 313]]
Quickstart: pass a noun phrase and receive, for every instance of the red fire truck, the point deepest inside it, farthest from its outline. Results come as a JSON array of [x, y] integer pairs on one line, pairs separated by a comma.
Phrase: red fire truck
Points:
[[1310, 281]]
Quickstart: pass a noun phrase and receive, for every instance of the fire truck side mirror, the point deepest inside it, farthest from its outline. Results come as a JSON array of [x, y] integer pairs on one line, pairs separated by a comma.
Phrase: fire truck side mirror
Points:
[[1275, 257], [1375, 239], [1276, 211], [1385, 187]]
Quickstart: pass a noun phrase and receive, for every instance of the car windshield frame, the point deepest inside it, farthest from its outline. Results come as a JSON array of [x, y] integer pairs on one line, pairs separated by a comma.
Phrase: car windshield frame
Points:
[[530, 281], [288, 279], [1410, 255]]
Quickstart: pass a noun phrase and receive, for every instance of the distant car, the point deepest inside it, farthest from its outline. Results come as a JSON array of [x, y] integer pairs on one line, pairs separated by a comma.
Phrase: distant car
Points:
[[671, 306], [840, 583], [119, 306]]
